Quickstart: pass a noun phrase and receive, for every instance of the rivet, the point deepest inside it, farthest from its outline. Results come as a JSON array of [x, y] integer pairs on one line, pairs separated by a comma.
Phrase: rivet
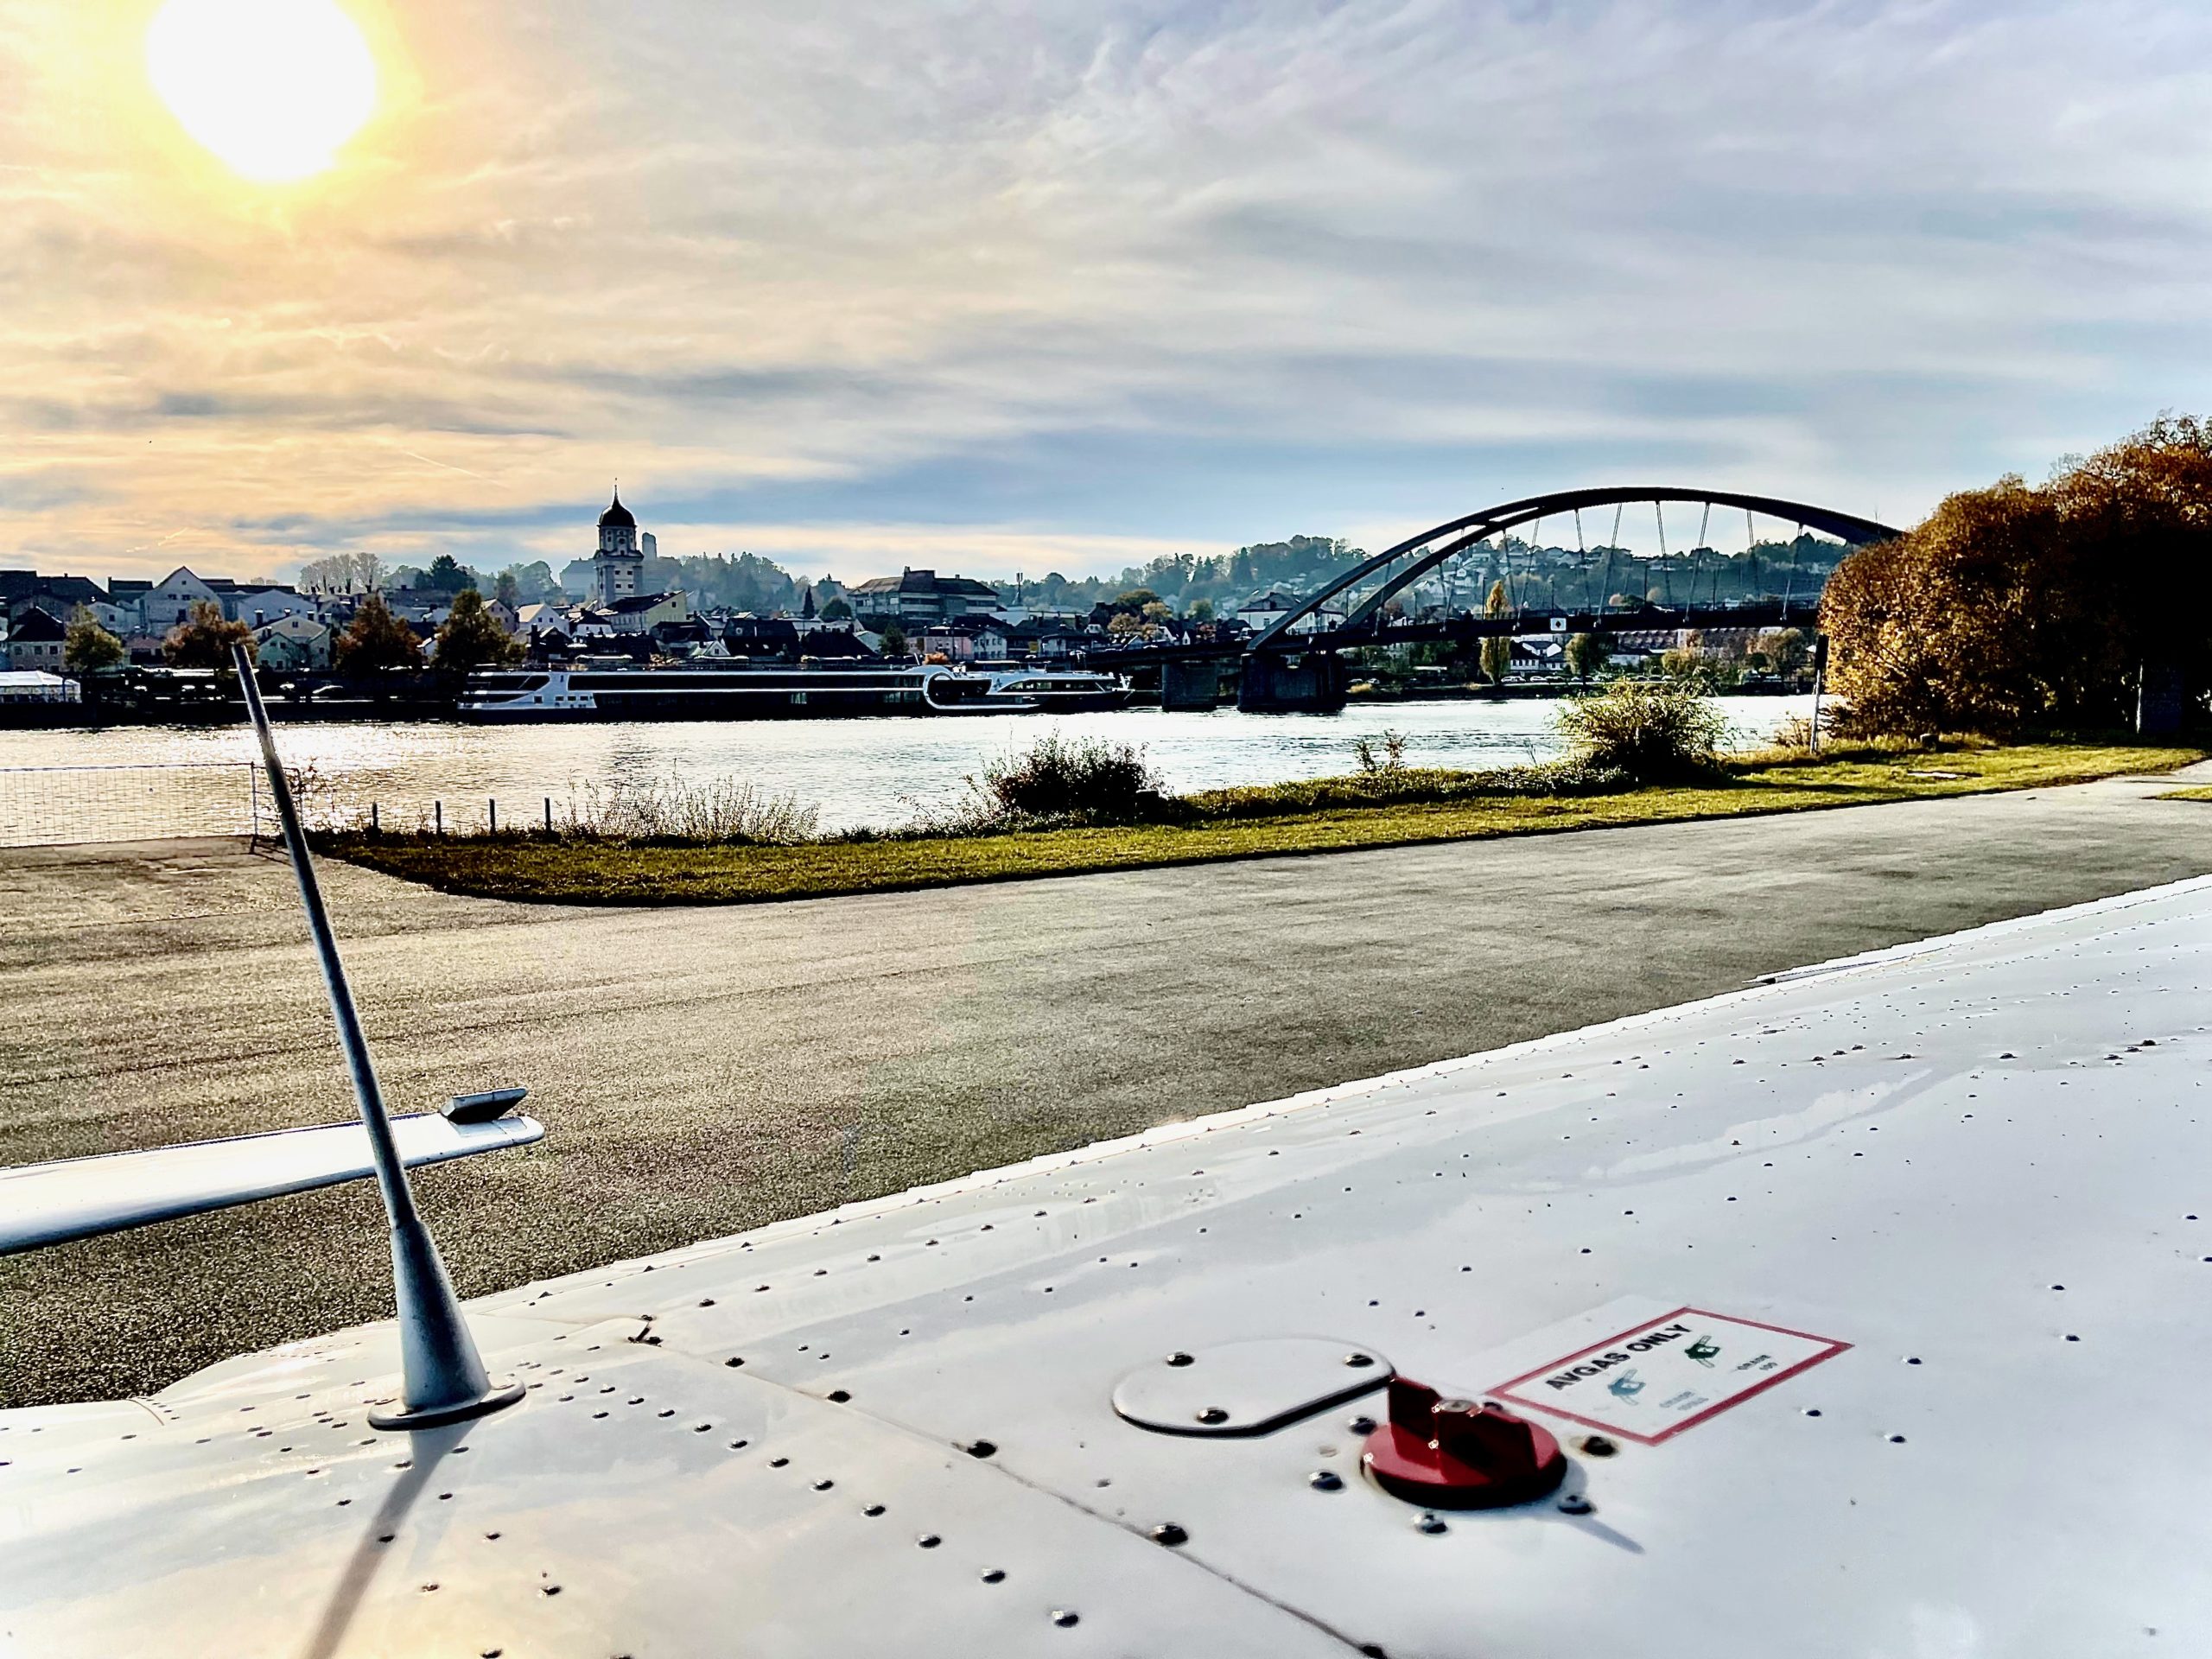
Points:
[[1431, 1524], [838, 1396], [1169, 1533], [873, 1508], [929, 1541], [980, 1449], [1325, 1480], [1597, 1445], [994, 1575], [1362, 1424], [1063, 1617], [1213, 1415], [823, 1485], [1180, 1359], [1359, 1362]]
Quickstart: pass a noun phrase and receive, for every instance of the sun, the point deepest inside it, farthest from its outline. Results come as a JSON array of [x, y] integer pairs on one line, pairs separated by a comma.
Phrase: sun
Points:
[[272, 86]]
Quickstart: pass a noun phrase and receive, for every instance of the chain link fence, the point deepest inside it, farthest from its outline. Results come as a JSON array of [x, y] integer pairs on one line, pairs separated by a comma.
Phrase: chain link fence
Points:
[[58, 806]]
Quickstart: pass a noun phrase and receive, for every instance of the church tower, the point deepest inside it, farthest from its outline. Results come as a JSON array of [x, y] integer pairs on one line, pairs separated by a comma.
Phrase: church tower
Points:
[[618, 566]]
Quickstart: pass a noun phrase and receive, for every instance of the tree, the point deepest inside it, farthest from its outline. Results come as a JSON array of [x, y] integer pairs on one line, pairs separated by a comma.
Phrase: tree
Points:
[[1586, 654], [87, 645], [2034, 605], [1160, 612], [377, 640], [470, 637], [447, 575], [352, 572], [506, 589], [1781, 650], [203, 639], [1134, 599], [1201, 610], [894, 639], [837, 611], [1497, 649]]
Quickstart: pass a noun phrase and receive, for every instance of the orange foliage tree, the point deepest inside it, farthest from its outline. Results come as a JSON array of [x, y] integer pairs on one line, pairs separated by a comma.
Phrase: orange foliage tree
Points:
[[2035, 605]]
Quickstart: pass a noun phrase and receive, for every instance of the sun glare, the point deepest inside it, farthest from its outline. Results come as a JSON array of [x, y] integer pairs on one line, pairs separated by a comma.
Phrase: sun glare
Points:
[[271, 86]]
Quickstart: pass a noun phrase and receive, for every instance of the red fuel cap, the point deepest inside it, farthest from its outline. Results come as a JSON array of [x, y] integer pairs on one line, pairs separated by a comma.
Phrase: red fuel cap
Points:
[[1455, 1454]]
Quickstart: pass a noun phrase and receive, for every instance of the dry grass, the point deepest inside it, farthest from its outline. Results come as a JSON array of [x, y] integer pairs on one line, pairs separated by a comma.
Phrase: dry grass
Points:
[[582, 871]]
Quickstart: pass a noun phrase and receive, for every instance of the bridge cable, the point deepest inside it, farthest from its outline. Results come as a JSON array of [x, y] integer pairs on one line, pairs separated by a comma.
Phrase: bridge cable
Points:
[[1666, 568], [1752, 552], [1704, 520], [1612, 547], [1582, 554]]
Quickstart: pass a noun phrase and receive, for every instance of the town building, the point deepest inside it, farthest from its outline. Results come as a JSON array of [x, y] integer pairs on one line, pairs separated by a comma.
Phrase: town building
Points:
[[1262, 611], [618, 568], [293, 643], [916, 599], [35, 640]]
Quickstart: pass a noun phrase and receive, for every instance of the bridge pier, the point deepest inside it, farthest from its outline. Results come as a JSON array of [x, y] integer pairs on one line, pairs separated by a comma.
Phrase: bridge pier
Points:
[[1190, 684], [1280, 683]]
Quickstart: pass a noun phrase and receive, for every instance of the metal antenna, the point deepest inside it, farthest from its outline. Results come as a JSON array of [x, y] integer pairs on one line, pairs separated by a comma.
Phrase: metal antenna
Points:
[[443, 1379]]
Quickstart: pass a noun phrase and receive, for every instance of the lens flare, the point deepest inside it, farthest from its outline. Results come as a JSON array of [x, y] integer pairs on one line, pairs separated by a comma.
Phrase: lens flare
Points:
[[271, 86]]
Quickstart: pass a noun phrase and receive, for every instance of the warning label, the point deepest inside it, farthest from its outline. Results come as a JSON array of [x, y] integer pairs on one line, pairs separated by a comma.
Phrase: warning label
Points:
[[1658, 1378]]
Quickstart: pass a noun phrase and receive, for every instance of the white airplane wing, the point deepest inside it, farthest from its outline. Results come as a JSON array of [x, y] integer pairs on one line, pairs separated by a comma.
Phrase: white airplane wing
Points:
[[1865, 1309]]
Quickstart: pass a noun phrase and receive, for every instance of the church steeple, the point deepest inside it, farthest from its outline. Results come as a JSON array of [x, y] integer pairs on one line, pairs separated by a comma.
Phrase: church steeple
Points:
[[618, 565]]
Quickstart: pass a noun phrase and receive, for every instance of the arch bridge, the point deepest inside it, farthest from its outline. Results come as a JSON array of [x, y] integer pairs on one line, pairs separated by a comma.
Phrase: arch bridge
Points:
[[1291, 664]]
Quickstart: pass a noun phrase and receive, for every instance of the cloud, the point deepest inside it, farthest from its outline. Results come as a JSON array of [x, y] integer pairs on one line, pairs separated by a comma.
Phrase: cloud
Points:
[[991, 286]]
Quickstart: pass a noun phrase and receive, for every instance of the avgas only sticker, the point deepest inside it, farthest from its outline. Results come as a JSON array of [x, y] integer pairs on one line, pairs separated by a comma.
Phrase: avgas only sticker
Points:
[[1667, 1373]]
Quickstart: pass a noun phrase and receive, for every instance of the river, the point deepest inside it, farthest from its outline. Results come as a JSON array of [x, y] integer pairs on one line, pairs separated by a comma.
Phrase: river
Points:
[[873, 772]]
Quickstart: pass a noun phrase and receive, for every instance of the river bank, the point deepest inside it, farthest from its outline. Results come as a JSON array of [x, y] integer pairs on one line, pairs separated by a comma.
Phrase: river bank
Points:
[[1213, 826], [863, 772]]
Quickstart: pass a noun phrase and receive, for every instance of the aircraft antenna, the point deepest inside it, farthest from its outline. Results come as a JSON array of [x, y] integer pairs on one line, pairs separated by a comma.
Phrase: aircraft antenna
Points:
[[443, 1379]]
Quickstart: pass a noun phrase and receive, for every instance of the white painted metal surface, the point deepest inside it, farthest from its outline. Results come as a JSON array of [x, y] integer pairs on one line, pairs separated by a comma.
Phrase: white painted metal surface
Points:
[[78, 1198], [1980, 1166]]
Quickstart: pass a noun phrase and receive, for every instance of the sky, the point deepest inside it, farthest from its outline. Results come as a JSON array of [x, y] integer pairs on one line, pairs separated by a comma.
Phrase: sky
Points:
[[1030, 287]]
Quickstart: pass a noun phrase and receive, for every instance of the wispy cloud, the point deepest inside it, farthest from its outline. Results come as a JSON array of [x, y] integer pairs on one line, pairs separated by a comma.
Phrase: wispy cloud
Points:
[[1006, 287]]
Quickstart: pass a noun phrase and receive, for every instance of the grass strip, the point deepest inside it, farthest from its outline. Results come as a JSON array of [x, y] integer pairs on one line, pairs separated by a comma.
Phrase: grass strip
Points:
[[579, 871], [2202, 793]]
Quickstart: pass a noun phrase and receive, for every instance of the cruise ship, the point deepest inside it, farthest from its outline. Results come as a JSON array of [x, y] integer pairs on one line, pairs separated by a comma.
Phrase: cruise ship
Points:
[[736, 693]]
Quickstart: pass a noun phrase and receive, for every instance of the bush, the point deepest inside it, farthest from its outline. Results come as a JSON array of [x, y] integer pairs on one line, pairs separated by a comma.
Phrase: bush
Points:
[[1646, 733], [1088, 780], [724, 809]]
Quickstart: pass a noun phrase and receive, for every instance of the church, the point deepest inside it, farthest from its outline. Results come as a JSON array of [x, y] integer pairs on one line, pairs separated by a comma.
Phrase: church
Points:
[[618, 568]]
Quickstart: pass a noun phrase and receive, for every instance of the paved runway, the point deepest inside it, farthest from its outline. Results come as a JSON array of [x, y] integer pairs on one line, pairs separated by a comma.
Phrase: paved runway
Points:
[[705, 1070]]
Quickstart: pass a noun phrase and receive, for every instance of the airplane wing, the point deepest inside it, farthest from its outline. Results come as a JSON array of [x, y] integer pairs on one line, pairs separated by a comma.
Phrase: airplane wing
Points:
[[1862, 1310], [81, 1197]]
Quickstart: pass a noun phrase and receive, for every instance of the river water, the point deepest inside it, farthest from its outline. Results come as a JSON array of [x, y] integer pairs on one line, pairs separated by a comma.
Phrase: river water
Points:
[[876, 772]]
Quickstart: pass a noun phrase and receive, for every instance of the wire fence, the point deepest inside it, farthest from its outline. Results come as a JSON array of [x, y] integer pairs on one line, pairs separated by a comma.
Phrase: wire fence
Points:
[[57, 806]]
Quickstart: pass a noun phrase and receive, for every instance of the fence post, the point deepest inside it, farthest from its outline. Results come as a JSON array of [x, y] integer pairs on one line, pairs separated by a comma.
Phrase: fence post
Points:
[[376, 825], [491, 807], [437, 818], [549, 815]]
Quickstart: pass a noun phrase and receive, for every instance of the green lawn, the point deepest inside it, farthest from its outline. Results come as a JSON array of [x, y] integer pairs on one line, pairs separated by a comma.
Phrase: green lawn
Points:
[[573, 871], [2203, 792]]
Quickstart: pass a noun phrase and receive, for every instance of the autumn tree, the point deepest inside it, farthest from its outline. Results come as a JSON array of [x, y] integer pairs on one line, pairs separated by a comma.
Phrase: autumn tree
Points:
[[1585, 654], [204, 638], [1497, 648], [87, 645], [376, 640], [470, 637], [894, 639], [2034, 604]]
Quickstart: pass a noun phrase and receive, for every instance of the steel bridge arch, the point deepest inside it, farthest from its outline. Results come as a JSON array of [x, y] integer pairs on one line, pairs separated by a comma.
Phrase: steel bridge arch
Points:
[[1462, 532]]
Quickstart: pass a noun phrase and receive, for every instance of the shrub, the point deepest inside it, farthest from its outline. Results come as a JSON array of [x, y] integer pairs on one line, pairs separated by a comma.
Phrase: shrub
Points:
[[1645, 732], [1392, 757], [1085, 779], [724, 809]]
